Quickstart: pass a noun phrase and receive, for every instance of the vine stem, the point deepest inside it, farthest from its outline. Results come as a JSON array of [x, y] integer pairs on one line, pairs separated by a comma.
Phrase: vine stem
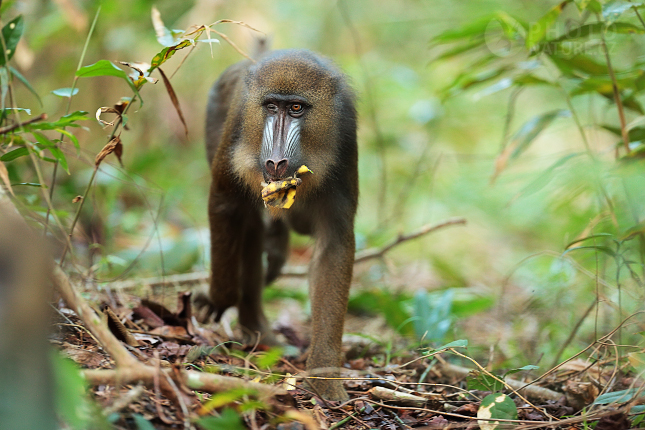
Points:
[[69, 104], [89, 185], [617, 99]]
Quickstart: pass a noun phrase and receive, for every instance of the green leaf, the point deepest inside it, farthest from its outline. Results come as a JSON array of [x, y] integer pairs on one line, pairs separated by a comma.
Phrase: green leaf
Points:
[[622, 396], [495, 406], [26, 83], [432, 317], [633, 231], [228, 420], [532, 128], [72, 138], [545, 177], [521, 369], [460, 49], [4, 85], [474, 29], [537, 31], [467, 80], [16, 153], [477, 380], [68, 120], [168, 52], [385, 302], [597, 27], [269, 358], [53, 148], [578, 65], [590, 237], [7, 110], [528, 79], [73, 405], [590, 5], [142, 423], [11, 34], [101, 68], [635, 134], [65, 92], [107, 68], [612, 10], [461, 343], [605, 249], [30, 184]]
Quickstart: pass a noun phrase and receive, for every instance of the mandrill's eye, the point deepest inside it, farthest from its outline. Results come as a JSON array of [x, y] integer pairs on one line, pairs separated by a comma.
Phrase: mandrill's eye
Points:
[[272, 108], [296, 109]]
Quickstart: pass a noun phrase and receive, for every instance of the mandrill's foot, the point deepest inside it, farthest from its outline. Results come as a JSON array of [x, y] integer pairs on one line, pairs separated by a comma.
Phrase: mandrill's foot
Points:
[[254, 326], [266, 337], [203, 306], [328, 389]]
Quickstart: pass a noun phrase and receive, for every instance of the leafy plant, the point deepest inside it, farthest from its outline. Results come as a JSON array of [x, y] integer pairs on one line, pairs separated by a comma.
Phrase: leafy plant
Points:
[[570, 56]]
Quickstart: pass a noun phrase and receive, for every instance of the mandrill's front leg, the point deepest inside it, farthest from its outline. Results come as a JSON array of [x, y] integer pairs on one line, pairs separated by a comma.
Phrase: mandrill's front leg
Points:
[[227, 231], [330, 279], [237, 233]]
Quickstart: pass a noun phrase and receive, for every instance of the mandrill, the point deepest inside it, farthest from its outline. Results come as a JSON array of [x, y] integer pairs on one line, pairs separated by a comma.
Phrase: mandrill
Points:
[[267, 123]]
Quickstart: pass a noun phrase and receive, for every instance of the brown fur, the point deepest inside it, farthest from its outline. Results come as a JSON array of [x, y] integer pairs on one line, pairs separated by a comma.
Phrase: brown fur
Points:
[[325, 203]]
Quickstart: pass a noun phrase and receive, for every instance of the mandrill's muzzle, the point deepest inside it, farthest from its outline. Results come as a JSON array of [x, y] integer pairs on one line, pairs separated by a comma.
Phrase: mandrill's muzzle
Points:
[[276, 171]]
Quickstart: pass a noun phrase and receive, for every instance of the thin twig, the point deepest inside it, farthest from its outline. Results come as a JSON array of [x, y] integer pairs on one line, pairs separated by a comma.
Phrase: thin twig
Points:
[[638, 14], [516, 392], [428, 228], [233, 45], [573, 333], [617, 99], [69, 105], [89, 184], [7, 129]]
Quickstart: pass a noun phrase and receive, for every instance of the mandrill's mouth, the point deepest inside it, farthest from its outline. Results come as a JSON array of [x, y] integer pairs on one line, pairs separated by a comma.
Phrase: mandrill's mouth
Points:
[[281, 193]]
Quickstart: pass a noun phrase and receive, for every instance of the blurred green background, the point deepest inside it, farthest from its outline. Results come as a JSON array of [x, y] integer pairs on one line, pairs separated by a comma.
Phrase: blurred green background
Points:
[[428, 140]]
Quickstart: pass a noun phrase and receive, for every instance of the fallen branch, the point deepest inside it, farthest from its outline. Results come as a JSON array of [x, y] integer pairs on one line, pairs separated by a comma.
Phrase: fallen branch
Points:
[[201, 381], [130, 370], [397, 397], [532, 391]]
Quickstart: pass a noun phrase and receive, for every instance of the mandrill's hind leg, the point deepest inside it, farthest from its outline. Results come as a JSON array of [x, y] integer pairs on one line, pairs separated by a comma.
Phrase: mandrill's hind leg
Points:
[[276, 246], [251, 315]]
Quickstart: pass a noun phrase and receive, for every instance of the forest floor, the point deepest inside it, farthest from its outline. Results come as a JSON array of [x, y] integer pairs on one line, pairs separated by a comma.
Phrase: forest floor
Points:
[[391, 384]]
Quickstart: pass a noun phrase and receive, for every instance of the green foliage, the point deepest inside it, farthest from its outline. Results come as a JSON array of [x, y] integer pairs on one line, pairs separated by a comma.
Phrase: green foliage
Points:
[[107, 68], [228, 420], [142, 423], [496, 406], [11, 34], [477, 380], [621, 396], [432, 319], [72, 402], [65, 92], [390, 305], [566, 63]]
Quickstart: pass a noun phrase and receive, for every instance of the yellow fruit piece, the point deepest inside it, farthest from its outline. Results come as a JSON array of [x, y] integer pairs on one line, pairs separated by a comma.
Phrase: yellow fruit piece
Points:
[[282, 194], [303, 169]]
